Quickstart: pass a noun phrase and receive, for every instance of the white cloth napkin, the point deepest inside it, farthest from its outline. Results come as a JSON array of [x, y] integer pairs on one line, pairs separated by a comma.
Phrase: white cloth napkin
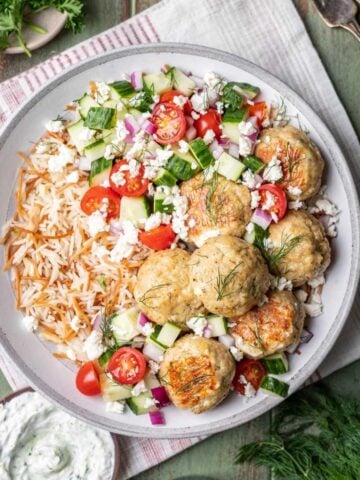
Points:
[[267, 32]]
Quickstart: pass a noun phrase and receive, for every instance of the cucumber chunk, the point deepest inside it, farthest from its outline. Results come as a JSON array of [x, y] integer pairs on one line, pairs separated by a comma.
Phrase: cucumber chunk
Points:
[[232, 98], [151, 381], [181, 167], [157, 83], [139, 404], [100, 171], [95, 150], [231, 131], [124, 325], [253, 163], [154, 338], [277, 363], [86, 102], [201, 152], [164, 177], [218, 325], [134, 209], [168, 334], [257, 236], [76, 131], [235, 117], [112, 391], [250, 91], [121, 89], [273, 386], [181, 82], [159, 205], [100, 118], [105, 357], [229, 167]]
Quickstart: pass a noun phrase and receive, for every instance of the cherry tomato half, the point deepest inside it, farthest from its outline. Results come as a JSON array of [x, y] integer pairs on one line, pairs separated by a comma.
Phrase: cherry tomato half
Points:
[[278, 196], [258, 110], [168, 97], [87, 380], [94, 199], [211, 120], [127, 366], [170, 123], [253, 371], [133, 186], [159, 238]]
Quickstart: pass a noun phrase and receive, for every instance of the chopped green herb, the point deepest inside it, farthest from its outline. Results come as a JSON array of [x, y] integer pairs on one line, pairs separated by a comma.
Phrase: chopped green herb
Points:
[[148, 295], [224, 281]]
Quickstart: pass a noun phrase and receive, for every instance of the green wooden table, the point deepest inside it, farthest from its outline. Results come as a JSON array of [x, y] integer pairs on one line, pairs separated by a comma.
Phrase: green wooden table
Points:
[[340, 53]]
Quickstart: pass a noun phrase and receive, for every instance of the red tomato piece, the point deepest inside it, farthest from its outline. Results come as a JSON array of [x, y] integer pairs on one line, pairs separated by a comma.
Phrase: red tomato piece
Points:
[[94, 199], [133, 186], [278, 196], [87, 380], [168, 97], [253, 371], [159, 238], [170, 123], [127, 366], [211, 120], [258, 110]]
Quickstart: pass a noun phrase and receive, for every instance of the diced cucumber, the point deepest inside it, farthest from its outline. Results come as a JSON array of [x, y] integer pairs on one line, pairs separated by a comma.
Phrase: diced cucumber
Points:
[[105, 357], [100, 118], [159, 205], [277, 363], [135, 113], [121, 89], [218, 325], [139, 404], [236, 116], [100, 171], [134, 209], [232, 98], [181, 168], [86, 102], [257, 236], [110, 104], [231, 131], [151, 381], [112, 391], [181, 82], [229, 167], [95, 150], [141, 101], [109, 136], [157, 83], [154, 338], [250, 91], [164, 177], [76, 131], [273, 386], [201, 152], [168, 334], [124, 325], [253, 163]]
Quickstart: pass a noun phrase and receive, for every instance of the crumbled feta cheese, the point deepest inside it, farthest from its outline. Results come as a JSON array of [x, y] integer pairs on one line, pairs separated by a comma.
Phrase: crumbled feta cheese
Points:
[[295, 205], [183, 146], [147, 329], [31, 323], [250, 227], [250, 180], [325, 206], [295, 191], [245, 146], [93, 346], [163, 155], [42, 147], [273, 171], [75, 323], [139, 388], [214, 82], [57, 162], [122, 249], [249, 390], [55, 126], [195, 115], [246, 128], [105, 184], [209, 136], [154, 366], [316, 282], [73, 177], [96, 223], [84, 164], [269, 201], [197, 325], [255, 199], [219, 107], [109, 152], [87, 134], [121, 131], [313, 309], [201, 239], [149, 402], [179, 215], [281, 283], [236, 353], [118, 178], [153, 221], [200, 101], [130, 232], [102, 92], [115, 407], [180, 100], [301, 295], [71, 355]]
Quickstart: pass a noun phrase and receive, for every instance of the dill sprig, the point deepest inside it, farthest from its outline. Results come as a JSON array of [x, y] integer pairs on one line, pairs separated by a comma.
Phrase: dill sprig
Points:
[[192, 382], [315, 436], [224, 281], [275, 255], [148, 295]]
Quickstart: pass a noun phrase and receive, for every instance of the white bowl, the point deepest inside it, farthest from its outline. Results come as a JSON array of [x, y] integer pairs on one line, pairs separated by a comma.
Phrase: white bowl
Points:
[[55, 379]]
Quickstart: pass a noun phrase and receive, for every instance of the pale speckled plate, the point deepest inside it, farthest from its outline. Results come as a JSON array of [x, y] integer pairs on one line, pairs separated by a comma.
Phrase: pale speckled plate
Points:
[[55, 379]]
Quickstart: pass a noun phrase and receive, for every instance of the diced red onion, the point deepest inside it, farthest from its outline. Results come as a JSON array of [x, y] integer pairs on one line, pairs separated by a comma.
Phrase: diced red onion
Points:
[[292, 348], [142, 319], [261, 218], [129, 139], [224, 142], [258, 179], [189, 121], [190, 133], [137, 80], [161, 397], [152, 352], [213, 97], [253, 137], [234, 150], [149, 127], [207, 331], [306, 336], [157, 418], [131, 124], [227, 340], [213, 145], [216, 149], [96, 322], [324, 220]]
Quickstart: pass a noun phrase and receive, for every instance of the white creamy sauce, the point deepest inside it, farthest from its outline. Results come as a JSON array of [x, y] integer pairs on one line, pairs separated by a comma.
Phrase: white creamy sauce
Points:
[[38, 442]]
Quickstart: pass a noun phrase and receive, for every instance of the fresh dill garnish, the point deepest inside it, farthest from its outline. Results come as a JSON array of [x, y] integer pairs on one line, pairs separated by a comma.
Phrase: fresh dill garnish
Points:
[[192, 382], [315, 436], [224, 281], [148, 295], [106, 326], [275, 255]]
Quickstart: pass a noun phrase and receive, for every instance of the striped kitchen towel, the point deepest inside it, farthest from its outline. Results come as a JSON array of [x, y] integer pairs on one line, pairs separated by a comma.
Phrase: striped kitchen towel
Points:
[[283, 47]]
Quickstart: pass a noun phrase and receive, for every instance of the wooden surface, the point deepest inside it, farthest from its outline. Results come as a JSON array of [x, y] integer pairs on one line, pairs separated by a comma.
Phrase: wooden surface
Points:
[[340, 53]]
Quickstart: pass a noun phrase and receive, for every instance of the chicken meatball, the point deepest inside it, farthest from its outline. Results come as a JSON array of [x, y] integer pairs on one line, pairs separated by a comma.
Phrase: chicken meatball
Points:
[[270, 328], [229, 275], [163, 290], [301, 161], [298, 248], [215, 207], [197, 373]]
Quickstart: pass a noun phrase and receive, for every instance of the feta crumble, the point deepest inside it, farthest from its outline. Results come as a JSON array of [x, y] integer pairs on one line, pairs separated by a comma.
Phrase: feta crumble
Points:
[[296, 205], [56, 163], [96, 223], [55, 126], [255, 199], [183, 146], [121, 131], [73, 177], [295, 191], [115, 407], [75, 323], [139, 388], [281, 283], [154, 366], [102, 92], [317, 282], [109, 153], [250, 180], [273, 171], [197, 325], [180, 100], [209, 137], [249, 390], [149, 402], [236, 353], [246, 128], [93, 346], [245, 146], [31, 323], [42, 147], [87, 134]]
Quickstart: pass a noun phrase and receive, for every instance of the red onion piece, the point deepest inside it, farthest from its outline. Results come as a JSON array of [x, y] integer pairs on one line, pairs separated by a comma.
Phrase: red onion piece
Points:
[[306, 336], [129, 139], [142, 319], [234, 150], [224, 142], [136, 80], [227, 340], [189, 121], [261, 218], [152, 352], [131, 124], [207, 331], [96, 322], [149, 127], [258, 179], [157, 418], [190, 133], [213, 145], [161, 397]]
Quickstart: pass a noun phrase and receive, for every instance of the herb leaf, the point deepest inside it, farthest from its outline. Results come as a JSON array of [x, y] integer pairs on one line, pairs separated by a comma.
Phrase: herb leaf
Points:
[[275, 255], [224, 281]]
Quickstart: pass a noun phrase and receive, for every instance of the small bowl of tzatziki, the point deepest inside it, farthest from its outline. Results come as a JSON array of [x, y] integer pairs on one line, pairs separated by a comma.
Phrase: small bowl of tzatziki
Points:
[[38, 441]]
